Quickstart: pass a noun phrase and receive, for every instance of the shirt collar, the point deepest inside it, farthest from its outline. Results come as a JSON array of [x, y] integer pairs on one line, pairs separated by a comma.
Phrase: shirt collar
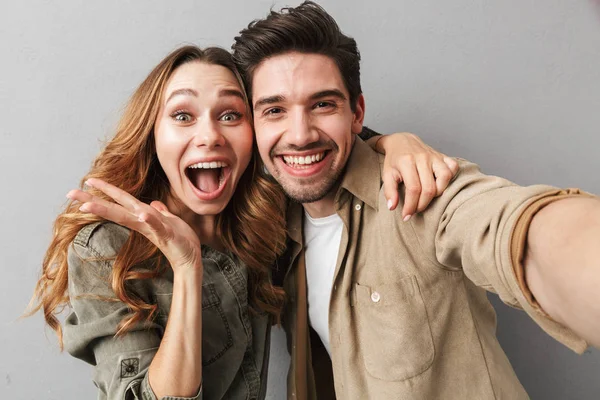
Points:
[[362, 177]]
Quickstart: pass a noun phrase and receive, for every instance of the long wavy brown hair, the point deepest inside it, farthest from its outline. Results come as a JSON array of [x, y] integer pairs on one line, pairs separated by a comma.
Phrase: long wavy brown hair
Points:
[[252, 225]]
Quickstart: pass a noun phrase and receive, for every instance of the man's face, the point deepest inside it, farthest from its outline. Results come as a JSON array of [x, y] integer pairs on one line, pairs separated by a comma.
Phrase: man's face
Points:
[[304, 124]]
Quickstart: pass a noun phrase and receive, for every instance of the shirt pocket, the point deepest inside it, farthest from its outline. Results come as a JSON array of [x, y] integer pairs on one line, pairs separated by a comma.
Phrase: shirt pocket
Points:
[[394, 332], [216, 332]]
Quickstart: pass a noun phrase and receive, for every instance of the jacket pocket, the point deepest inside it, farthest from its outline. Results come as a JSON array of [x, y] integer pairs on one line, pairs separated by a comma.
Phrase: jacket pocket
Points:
[[394, 332], [216, 332]]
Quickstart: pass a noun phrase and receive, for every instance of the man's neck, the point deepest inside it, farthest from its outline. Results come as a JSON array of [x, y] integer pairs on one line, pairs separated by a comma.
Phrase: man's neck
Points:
[[321, 208]]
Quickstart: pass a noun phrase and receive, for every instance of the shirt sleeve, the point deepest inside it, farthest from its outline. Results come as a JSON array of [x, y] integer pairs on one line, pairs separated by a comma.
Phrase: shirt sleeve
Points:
[[479, 224], [120, 363]]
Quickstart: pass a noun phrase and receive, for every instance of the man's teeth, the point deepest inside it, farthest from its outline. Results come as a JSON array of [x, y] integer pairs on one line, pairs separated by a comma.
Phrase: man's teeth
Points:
[[306, 160], [209, 165]]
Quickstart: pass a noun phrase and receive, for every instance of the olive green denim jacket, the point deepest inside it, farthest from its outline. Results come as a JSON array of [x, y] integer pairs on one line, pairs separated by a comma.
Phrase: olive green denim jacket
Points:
[[409, 317], [235, 343]]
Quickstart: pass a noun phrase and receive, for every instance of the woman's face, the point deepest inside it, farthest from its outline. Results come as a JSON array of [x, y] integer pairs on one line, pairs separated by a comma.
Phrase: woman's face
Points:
[[203, 136]]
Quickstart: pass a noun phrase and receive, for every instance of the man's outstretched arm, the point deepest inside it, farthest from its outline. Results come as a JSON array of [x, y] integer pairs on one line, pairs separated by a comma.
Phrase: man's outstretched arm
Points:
[[562, 264]]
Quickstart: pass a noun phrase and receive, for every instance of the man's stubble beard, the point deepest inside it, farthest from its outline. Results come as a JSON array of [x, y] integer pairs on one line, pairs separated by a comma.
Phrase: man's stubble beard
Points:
[[312, 194]]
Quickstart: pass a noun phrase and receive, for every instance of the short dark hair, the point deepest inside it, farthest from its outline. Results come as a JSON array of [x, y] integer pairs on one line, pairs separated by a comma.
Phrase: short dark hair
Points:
[[307, 28]]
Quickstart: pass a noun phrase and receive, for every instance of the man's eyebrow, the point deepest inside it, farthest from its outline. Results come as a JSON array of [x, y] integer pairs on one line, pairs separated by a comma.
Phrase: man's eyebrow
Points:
[[182, 92], [327, 93], [263, 101]]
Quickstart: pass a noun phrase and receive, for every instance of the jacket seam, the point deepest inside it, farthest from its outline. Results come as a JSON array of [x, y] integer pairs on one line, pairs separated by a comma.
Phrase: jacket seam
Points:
[[96, 253]]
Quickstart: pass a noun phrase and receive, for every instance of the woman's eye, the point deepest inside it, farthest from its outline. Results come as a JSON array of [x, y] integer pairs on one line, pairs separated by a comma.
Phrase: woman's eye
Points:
[[230, 116], [181, 116]]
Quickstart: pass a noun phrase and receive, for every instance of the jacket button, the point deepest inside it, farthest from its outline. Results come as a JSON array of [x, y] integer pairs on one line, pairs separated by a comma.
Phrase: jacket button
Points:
[[228, 268], [357, 207], [375, 296]]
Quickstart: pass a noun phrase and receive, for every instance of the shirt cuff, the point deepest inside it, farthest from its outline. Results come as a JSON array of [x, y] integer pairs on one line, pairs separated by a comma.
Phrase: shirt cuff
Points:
[[518, 247], [148, 393]]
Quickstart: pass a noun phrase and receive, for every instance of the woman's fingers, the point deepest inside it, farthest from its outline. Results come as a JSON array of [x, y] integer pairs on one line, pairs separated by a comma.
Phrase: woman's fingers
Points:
[[412, 184], [128, 211], [109, 212], [443, 176], [391, 181], [161, 208], [120, 196], [154, 228], [86, 197], [451, 163], [102, 208], [427, 180]]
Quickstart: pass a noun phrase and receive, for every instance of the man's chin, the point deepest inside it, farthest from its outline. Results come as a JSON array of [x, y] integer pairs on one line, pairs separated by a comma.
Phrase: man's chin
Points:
[[303, 194]]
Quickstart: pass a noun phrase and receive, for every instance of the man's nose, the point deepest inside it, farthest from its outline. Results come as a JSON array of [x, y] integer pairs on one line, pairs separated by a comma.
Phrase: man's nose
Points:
[[301, 132], [209, 134]]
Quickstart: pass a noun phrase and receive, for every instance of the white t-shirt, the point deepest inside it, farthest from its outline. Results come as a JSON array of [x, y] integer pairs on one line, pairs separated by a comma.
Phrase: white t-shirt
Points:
[[322, 238]]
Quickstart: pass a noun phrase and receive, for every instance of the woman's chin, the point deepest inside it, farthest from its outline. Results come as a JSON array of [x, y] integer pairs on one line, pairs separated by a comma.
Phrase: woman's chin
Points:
[[208, 207]]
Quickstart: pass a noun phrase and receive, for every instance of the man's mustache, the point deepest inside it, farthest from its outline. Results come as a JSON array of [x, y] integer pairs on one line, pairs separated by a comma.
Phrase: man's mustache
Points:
[[311, 146]]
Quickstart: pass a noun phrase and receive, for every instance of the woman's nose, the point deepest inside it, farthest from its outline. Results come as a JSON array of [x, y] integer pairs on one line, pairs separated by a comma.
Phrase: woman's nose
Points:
[[209, 135]]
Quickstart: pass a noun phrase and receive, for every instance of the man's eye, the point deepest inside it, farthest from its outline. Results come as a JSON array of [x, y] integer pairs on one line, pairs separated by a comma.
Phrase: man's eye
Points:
[[181, 116], [230, 116], [323, 104], [274, 110]]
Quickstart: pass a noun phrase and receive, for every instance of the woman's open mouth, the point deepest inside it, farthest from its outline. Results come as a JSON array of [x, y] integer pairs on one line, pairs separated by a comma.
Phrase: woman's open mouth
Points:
[[208, 178]]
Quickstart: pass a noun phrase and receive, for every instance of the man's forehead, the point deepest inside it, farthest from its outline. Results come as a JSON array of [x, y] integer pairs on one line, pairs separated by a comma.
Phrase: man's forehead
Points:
[[295, 72]]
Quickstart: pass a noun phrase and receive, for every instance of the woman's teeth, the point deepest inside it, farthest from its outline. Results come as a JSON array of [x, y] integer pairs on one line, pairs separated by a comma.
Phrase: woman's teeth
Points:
[[303, 160], [209, 165], [207, 176]]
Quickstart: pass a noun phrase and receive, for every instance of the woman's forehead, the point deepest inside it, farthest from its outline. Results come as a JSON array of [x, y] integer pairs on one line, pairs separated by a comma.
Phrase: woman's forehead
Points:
[[201, 76]]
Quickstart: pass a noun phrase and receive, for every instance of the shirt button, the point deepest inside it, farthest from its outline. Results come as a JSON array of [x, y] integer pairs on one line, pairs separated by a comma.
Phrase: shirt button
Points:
[[357, 207], [375, 297]]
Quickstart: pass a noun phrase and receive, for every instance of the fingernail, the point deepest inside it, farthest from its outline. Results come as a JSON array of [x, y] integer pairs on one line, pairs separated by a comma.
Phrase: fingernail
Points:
[[407, 217], [87, 183], [389, 204], [85, 208]]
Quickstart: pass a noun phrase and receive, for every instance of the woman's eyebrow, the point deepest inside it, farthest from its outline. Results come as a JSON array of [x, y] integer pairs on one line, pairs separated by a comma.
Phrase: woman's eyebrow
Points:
[[182, 92], [231, 92]]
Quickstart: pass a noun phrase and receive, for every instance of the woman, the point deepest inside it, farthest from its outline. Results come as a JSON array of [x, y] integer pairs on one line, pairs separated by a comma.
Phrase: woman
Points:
[[186, 277]]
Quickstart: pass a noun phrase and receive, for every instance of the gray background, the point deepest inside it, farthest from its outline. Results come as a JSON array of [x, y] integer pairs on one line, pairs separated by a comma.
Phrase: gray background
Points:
[[513, 85]]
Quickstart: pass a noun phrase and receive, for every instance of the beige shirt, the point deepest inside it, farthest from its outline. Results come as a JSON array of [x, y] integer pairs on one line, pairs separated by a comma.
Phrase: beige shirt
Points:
[[409, 316]]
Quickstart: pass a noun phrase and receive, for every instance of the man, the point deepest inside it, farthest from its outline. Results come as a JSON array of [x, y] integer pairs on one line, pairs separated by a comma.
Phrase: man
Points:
[[399, 304]]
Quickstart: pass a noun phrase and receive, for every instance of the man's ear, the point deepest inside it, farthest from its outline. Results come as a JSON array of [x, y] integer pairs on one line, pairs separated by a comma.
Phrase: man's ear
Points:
[[359, 115]]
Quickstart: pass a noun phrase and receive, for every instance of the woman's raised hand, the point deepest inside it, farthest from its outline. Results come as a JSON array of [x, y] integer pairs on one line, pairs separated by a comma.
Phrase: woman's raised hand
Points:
[[173, 236]]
